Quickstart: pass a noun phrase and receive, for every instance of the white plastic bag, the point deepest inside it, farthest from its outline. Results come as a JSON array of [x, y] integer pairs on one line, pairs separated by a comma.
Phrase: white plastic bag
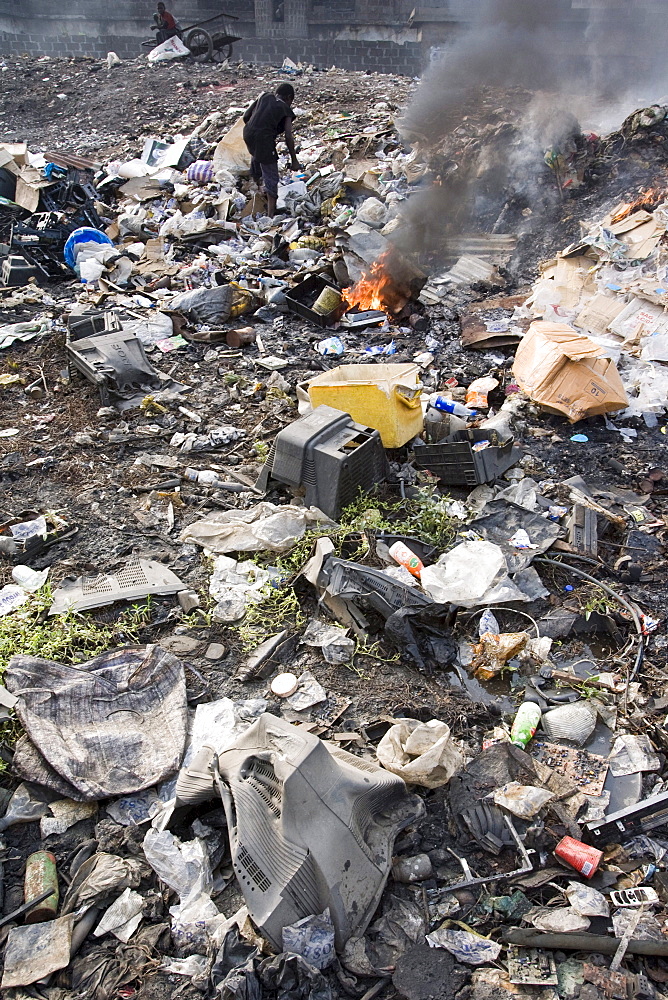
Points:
[[471, 574], [265, 526], [173, 48], [586, 900], [184, 867], [465, 946], [333, 641], [523, 801], [196, 922], [372, 213], [313, 939], [556, 919], [422, 753], [231, 153]]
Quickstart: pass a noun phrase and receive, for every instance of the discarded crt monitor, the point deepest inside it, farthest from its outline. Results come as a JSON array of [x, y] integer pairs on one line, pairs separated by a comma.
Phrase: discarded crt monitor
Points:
[[116, 363], [329, 455], [311, 826]]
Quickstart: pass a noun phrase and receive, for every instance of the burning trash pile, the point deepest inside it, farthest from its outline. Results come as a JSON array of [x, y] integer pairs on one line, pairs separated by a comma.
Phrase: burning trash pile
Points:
[[332, 650]]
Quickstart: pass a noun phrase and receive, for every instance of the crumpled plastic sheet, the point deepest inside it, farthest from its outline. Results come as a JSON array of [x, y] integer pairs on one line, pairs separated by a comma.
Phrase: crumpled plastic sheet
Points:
[[235, 585], [372, 212], [105, 969], [646, 385], [309, 693], [23, 807], [197, 925], [132, 810], [556, 919], [123, 917], [333, 641], [205, 305], [313, 939], [465, 946], [523, 801], [156, 326], [400, 928], [472, 574], [266, 526], [586, 900], [193, 965], [220, 723], [240, 974], [183, 866], [216, 438], [108, 727], [98, 877], [631, 754], [422, 753], [11, 332]]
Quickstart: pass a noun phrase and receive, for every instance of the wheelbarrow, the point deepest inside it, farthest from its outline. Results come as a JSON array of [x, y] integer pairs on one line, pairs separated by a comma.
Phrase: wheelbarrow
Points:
[[207, 45], [210, 46]]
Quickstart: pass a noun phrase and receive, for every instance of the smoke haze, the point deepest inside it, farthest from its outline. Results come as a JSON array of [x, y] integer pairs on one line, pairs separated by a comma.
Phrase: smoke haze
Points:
[[557, 63]]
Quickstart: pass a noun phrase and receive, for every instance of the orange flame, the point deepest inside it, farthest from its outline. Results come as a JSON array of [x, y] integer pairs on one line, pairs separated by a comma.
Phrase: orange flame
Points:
[[647, 199], [374, 290]]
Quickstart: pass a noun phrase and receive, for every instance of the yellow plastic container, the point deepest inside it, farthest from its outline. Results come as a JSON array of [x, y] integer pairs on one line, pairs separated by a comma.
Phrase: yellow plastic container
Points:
[[385, 397]]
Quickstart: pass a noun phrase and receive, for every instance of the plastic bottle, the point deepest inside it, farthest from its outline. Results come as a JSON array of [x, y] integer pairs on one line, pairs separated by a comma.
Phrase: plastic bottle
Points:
[[488, 623], [525, 723], [406, 557], [344, 216], [436, 425], [210, 478], [450, 406], [41, 875]]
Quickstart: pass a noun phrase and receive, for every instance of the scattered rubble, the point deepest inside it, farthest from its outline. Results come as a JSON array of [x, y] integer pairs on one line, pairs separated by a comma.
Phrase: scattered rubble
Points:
[[333, 649]]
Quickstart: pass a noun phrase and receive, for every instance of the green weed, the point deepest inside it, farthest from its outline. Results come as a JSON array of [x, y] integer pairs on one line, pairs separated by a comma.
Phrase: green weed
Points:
[[280, 609], [68, 638]]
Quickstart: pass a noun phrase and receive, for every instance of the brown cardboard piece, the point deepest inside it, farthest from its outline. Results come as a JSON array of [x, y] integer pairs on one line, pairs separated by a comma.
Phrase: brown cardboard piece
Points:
[[639, 319], [17, 151], [600, 312], [572, 280], [565, 372], [29, 183]]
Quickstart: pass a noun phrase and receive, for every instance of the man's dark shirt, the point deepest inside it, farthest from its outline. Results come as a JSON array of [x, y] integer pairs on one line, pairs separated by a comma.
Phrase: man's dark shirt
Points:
[[168, 21], [265, 120]]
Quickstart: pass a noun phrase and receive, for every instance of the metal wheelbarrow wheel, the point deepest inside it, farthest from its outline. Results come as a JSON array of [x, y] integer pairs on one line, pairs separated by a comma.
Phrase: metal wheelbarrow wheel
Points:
[[222, 53], [200, 44]]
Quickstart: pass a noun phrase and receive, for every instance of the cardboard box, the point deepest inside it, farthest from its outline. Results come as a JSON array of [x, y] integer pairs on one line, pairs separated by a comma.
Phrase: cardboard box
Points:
[[566, 372]]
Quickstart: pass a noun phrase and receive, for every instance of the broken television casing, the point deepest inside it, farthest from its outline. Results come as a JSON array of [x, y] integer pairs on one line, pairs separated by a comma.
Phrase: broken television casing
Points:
[[328, 455], [310, 826]]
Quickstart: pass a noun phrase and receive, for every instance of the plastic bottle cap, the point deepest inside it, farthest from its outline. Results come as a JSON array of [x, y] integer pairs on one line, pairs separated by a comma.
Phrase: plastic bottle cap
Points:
[[283, 685]]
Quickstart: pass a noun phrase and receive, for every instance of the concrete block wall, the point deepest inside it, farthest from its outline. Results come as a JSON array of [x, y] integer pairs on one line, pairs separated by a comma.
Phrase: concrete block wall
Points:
[[376, 57], [94, 27]]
